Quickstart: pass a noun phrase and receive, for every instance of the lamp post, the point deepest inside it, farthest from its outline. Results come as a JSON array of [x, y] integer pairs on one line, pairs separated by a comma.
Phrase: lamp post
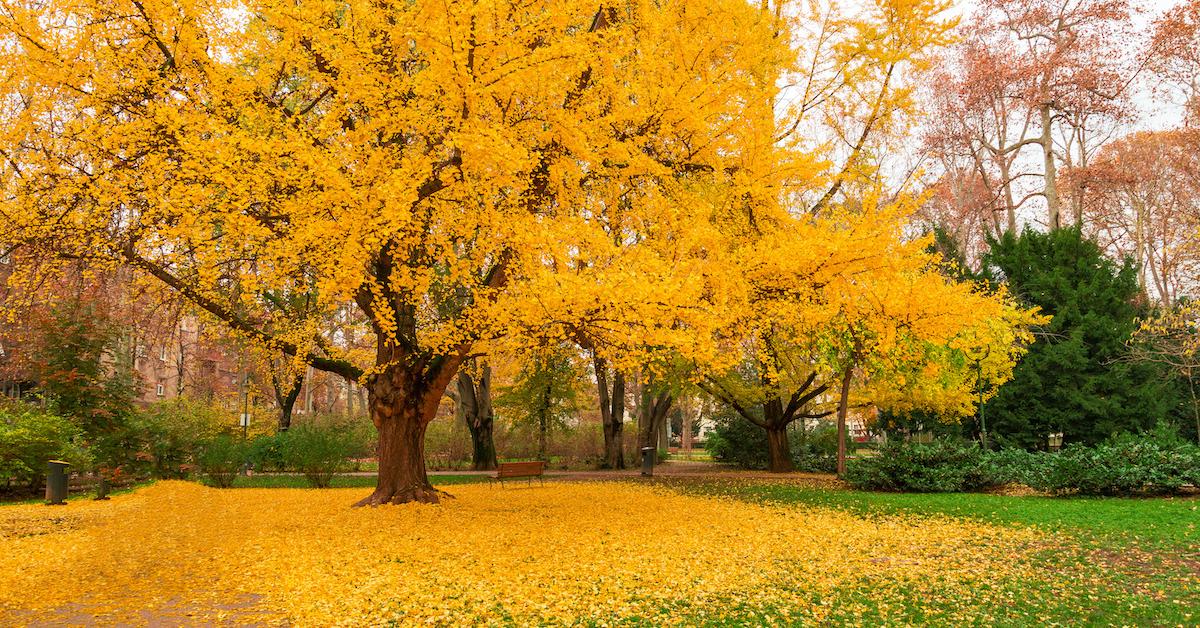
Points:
[[245, 418]]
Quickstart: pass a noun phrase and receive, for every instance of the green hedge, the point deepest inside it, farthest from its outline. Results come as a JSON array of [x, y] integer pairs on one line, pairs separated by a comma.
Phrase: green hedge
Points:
[[1124, 466], [1150, 464], [942, 466]]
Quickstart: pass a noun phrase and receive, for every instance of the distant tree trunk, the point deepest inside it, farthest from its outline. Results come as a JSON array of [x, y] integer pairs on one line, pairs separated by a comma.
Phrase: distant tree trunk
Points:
[[843, 409], [1050, 169], [181, 363], [1195, 403], [1010, 209], [308, 396], [685, 433], [475, 409], [544, 423], [286, 400], [612, 413], [654, 409]]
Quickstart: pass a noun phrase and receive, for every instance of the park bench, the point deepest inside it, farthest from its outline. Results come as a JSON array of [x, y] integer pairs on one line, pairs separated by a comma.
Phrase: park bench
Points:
[[518, 470]]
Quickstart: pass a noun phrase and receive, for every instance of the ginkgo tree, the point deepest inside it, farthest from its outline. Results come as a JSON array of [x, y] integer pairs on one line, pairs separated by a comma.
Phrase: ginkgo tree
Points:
[[437, 164], [847, 298]]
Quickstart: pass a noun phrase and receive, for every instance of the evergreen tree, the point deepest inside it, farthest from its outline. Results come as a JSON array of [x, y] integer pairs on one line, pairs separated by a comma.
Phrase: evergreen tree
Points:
[[1073, 380]]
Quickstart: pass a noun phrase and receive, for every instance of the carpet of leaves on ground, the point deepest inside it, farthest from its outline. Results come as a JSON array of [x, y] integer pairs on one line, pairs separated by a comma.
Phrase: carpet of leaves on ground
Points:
[[584, 553]]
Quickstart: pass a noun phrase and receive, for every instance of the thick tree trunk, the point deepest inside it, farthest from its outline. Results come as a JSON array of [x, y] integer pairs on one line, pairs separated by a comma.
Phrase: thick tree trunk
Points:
[[402, 476], [612, 414], [402, 403], [483, 447], [285, 417], [779, 455]]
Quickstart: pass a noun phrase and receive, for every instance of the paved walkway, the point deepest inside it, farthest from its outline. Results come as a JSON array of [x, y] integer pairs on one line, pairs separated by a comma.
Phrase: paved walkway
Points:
[[675, 469]]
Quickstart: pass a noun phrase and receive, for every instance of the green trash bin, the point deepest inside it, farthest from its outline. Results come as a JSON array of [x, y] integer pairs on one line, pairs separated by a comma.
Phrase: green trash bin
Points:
[[56, 482]]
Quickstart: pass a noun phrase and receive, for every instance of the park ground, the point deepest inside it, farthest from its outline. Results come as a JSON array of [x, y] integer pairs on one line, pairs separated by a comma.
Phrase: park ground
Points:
[[687, 548]]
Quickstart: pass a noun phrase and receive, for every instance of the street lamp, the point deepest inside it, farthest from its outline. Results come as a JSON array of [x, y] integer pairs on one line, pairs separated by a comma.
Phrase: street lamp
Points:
[[244, 420]]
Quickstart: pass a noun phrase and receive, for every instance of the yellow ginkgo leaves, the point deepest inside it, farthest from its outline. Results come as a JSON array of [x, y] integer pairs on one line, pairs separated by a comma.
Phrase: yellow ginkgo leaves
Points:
[[566, 553]]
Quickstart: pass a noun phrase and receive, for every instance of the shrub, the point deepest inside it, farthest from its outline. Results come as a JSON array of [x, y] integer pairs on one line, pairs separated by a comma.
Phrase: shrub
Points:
[[221, 459], [266, 452], [737, 441], [320, 451], [1156, 463], [816, 450], [31, 437], [944, 465], [1017, 466], [173, 432], [1152, 464]]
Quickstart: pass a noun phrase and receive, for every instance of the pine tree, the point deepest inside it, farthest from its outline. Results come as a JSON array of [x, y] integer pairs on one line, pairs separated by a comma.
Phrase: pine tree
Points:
[[1073, 379]]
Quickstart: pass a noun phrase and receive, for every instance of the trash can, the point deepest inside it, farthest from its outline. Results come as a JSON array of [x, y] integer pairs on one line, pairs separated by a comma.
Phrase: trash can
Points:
[[56, 482], [647, 461]]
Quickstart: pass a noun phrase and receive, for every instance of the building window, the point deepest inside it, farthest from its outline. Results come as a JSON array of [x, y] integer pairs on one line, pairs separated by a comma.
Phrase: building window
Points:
[[162, 353], [162, 390]]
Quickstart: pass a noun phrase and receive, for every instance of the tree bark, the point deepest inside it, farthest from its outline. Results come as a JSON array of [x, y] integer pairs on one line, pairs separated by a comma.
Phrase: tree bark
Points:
[[779, 453], [403, 399], [612, 413], [843, 409], [544, 425], [402, 476], [655, 407], [1195, 403], [475, 406], [1050, 169], [287, 400]]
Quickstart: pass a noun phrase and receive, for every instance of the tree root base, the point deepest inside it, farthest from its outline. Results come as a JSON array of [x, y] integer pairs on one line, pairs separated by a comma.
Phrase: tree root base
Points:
[[416, 494]]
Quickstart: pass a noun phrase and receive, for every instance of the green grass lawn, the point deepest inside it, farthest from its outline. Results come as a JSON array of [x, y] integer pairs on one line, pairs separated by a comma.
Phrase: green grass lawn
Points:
[[1108, 561], [1168, 522]]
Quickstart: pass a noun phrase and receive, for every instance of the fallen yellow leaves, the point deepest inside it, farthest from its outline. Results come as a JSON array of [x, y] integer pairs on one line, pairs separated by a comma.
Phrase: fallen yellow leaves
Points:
[[565, 553]]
